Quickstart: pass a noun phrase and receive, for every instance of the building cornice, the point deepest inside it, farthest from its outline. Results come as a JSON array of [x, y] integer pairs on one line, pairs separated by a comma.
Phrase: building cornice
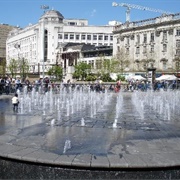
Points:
[[145, 24]]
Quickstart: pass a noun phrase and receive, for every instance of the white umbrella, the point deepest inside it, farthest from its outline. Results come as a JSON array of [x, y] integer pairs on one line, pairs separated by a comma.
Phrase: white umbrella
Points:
[[166, 77], [137, 77], [172, 78]]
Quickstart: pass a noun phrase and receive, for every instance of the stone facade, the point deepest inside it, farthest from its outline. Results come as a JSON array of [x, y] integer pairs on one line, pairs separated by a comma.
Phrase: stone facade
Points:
[[41, 44], [149, 43], [4, 30]]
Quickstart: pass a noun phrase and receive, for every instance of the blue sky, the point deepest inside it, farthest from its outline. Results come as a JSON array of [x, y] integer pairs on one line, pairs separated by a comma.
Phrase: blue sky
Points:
[[97, 12]]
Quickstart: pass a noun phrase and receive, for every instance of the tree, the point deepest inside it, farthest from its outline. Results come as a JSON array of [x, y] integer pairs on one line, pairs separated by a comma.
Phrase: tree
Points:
[[104, 67], [23, 67], [122, 61], [56, 71], [82, 69], [108, 66], [13, 67]]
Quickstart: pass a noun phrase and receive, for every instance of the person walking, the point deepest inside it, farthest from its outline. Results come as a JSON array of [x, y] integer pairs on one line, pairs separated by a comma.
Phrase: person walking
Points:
[[15, 102]]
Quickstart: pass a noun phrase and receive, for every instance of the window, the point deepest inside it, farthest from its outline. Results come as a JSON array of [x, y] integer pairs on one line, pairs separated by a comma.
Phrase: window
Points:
[[164, 47], [111, 38], [88, 37], [177, 52], [127, 50], [178, 44], [72, 23], [94, 37], [164, 35], [100, 37], [92, 63], [145, 38], [137, 50], [144, 49], [71, 36], [77, 36], [106, 38], [152, 48], [164, 66], [178, 32], [83, 36], [65, 36], [127, 40], [138, 38], [152, 37]]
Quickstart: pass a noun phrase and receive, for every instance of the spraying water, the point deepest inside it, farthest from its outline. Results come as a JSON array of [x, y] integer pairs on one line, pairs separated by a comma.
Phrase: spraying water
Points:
[[82, 122], [67, 145]]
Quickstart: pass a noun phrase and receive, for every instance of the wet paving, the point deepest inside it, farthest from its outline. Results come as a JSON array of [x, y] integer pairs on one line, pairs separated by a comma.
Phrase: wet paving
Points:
[[96, 135]]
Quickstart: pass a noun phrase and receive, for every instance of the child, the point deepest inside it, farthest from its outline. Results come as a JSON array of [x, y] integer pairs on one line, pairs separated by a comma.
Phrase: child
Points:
[[15, 102]]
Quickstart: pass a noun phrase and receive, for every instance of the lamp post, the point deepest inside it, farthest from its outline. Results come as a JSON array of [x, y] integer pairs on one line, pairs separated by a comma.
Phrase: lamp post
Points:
[[17, 47], [44, 7], [152, 71]]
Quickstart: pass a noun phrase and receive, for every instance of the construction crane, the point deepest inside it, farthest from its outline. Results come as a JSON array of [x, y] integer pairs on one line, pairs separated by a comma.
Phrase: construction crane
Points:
[[133, 6]]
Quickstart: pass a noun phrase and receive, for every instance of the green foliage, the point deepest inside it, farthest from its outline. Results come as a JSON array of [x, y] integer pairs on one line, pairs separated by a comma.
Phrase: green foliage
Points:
[[120, 77], [13, 67], [106, 78], [23, 66], [91, 77], [82, 70], [56, 71], [122, 61]]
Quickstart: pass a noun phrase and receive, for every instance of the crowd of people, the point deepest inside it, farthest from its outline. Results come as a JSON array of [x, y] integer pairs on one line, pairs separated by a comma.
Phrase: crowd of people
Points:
[[142, 85], [11, 85]]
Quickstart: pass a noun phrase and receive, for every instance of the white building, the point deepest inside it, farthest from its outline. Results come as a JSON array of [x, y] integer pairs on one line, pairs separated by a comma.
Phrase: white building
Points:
[[41, 44], [150, 43]]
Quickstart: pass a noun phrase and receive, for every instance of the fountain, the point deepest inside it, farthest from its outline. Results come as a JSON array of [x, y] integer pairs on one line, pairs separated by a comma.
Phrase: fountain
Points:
[[115, 123], [76, 128], [82, 122]]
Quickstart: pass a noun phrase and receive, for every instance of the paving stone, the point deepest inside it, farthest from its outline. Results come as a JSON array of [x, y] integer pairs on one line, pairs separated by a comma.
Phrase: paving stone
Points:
[[20, 153], [47, 157], [6, 149], [34, 156], [160, 159], [99, 161], [82, 160], [117, 161], [134, 161], [5, 138], [65, 160]]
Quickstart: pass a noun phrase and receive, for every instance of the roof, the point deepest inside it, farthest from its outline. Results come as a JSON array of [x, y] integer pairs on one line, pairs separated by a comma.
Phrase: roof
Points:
[[52, 14]]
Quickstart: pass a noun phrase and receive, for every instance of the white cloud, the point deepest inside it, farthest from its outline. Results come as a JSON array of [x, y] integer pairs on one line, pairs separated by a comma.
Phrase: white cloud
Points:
[[93, 12]]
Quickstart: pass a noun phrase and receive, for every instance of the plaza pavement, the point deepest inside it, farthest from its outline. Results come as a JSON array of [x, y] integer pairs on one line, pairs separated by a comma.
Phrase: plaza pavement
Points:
[[153, 142]]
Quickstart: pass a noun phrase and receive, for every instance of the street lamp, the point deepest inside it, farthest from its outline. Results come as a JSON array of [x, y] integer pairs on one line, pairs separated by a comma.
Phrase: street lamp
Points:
[[17, 46], [44, 7]]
